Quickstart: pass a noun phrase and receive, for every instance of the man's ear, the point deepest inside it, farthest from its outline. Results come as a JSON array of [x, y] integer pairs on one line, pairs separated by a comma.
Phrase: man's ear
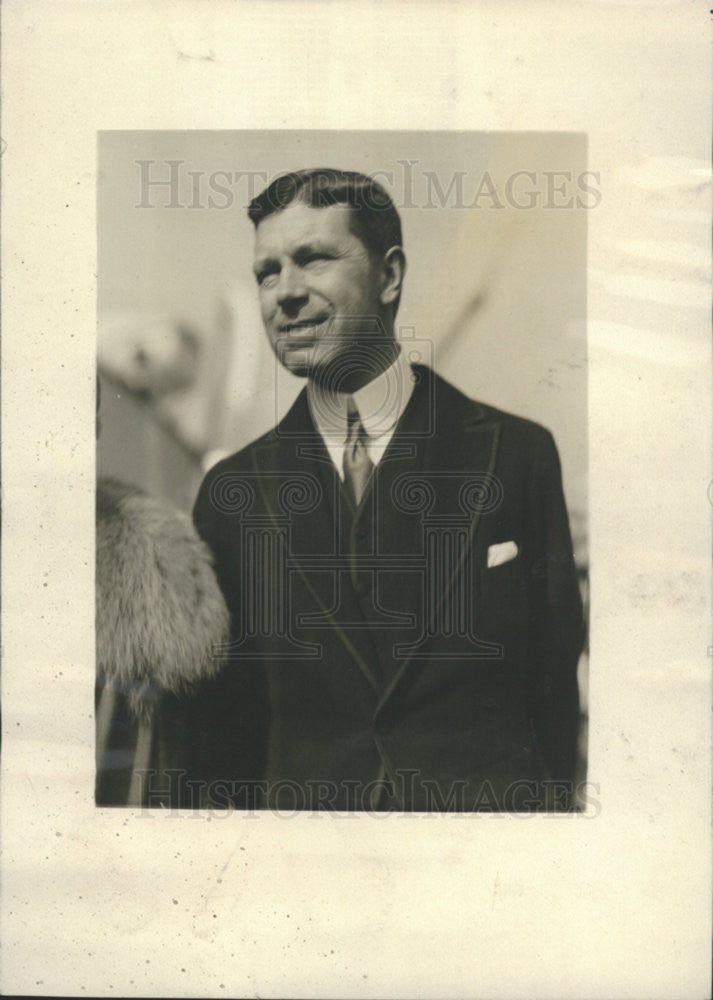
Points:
[[393, 269]]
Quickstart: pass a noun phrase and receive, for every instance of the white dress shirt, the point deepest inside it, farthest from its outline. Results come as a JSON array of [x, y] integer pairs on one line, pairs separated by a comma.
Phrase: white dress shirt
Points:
[[380, 404]]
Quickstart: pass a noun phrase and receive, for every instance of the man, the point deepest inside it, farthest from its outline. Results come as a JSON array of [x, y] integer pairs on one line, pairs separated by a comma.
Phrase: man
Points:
[[396, 557]]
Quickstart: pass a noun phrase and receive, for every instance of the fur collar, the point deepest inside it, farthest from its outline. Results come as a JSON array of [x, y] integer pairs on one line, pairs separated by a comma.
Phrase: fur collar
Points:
[[159, 610]]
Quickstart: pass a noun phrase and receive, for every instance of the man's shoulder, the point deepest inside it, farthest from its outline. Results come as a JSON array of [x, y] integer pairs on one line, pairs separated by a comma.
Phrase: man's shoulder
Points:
[[461, 409], [295, 421], [233, 475], [243, 457], [230, 476]]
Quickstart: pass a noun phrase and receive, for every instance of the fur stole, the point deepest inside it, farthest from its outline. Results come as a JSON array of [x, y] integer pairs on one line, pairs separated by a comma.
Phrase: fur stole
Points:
[[159, 610]]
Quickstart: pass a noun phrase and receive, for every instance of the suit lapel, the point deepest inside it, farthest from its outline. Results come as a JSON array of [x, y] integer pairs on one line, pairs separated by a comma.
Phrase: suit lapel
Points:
[[300, 490], [435, 507], [396, 532]]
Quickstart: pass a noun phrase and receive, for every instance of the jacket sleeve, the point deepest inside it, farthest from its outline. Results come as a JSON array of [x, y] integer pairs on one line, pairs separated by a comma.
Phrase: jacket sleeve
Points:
[[220, 531], [556, 628], [229, 720]]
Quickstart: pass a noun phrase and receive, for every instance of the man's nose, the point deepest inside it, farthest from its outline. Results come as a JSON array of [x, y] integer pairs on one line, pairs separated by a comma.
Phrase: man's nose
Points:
[[291, 288]]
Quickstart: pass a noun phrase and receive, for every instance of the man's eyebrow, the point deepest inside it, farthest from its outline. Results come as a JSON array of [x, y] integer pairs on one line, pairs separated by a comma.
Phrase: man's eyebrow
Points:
[[324, 247]]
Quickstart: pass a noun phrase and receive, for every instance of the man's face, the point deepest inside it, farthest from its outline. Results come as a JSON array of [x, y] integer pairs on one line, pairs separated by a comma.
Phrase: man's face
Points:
[[320, 291]]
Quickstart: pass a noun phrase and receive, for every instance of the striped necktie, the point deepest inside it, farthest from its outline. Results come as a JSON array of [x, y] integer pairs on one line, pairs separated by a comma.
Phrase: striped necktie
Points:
[[356, 462]]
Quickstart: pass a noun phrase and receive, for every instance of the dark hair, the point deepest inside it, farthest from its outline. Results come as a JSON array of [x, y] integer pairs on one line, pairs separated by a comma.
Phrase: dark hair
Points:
[[373, 217]]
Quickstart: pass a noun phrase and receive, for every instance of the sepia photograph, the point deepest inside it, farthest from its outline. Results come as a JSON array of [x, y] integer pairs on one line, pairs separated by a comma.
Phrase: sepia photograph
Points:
[[361, 382], [356, 510]]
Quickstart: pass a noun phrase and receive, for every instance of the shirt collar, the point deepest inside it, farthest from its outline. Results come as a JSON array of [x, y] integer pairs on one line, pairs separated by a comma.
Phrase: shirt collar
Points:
[[380, 402]]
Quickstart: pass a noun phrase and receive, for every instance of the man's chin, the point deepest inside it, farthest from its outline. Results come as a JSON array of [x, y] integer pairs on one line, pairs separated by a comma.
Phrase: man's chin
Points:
[[341, 371], [297, 361]]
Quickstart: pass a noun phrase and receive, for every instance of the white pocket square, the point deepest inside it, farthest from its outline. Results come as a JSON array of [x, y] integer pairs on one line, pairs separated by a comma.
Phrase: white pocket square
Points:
[[501, 553]]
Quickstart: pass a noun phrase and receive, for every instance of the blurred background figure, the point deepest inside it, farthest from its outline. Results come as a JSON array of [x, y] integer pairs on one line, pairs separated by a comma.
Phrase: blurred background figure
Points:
[[148, 365], [175, 399], [148, 355]]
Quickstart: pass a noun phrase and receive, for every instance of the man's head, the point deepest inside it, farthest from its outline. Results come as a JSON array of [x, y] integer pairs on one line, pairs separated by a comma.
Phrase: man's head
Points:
[[329, 267]]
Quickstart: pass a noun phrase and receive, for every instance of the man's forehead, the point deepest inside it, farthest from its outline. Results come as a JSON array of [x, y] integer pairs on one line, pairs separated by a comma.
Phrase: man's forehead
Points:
[[300, 224]]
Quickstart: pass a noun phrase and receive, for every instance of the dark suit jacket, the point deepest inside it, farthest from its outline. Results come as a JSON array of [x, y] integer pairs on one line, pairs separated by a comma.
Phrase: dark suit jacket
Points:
[[384, 664]]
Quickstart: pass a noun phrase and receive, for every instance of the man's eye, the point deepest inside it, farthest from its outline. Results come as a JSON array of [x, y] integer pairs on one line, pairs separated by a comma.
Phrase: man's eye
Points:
[[315, 258], [266, 278]]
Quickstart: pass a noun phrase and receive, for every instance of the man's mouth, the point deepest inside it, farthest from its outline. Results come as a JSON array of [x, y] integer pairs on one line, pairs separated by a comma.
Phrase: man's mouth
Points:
[[301, 329]]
